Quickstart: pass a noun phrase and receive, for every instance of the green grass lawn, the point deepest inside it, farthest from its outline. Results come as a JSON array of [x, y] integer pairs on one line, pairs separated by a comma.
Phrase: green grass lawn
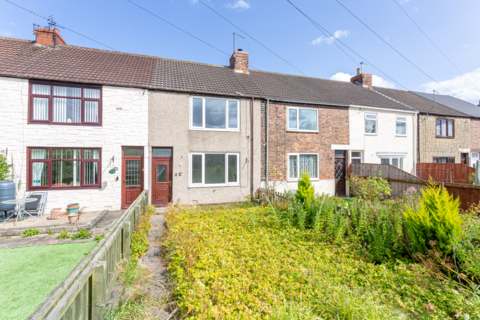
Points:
[[243, 264], [28, 275]]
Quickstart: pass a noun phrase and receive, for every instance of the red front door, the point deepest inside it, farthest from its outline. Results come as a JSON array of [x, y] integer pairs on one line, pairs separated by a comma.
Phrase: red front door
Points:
[[132, 174], [161, 176]]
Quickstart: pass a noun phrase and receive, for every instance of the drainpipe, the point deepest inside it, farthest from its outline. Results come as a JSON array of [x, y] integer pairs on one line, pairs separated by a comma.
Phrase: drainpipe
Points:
[[266, 147], [251, 145]]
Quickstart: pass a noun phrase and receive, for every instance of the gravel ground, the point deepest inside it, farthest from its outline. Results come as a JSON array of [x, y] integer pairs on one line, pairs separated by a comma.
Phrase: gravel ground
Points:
[[86, 217]]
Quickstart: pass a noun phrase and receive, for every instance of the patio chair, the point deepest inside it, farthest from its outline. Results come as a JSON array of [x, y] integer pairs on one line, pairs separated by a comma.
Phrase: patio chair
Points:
[[36, 207]]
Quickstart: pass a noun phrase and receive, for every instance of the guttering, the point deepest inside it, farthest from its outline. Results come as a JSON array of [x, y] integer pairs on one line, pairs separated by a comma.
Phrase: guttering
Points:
[[266, 146], [385, 109]]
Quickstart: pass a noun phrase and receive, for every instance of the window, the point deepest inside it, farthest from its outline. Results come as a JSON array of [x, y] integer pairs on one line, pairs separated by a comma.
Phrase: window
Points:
[[302, 119], [214, 169], [445, 128], [65, 104], [371, 123], [401, 126], [394, 161], [214, 114], [299, 162], [356, 156], [474, 158], [63, 168], [443, 159]]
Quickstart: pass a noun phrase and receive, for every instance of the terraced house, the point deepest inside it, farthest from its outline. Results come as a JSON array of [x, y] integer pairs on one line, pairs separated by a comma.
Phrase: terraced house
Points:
[[97, 127]]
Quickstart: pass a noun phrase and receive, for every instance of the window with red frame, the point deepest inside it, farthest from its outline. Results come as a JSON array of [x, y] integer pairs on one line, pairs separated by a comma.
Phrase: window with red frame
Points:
[[66, 104], [443, 159], [67, 168], [445, 128]]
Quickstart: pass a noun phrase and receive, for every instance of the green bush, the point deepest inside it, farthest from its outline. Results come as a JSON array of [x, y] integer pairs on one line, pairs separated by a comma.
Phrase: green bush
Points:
[[371, 188], [4, 168], [437, 219], [305, 191], [467, 248], [30, 232], [82, 234]]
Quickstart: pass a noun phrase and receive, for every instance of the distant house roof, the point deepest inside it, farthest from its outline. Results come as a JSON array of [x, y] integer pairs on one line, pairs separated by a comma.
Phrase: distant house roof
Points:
[[454, 103], [26, 59], [423, 105]]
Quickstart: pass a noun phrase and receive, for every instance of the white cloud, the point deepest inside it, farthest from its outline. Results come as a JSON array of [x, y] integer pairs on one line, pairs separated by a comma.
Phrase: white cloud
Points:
[[336, 35], [239, 4], [404, 1], [466, 45], [460, 86], [376, 80]]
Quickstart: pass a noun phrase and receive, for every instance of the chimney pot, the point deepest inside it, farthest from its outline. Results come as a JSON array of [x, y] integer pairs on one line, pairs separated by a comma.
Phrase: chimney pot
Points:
[[239, 61], [359, 71], [48, 37]]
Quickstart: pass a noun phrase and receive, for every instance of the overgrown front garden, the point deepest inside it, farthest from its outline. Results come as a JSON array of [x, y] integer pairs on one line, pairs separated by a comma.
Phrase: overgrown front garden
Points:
[[321, 257]]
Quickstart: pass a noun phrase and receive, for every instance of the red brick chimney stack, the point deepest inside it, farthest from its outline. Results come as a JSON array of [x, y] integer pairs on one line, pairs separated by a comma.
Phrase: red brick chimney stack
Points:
[[239, 61], [48, 37], [363, 78]]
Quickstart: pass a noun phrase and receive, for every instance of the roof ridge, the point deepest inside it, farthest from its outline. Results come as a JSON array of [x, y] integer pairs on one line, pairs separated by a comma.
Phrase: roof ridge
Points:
[[406, 105]]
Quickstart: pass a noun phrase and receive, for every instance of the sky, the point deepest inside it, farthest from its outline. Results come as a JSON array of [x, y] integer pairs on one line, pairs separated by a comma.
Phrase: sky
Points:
[[299, 47]]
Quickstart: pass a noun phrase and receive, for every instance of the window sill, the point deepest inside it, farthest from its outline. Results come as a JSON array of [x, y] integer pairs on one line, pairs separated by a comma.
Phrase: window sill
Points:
[[217, 130], [303, 131], [30, 189], [66, 124], [401, 135], [441, 137], [214, 186], [296, 180], [371, 134]]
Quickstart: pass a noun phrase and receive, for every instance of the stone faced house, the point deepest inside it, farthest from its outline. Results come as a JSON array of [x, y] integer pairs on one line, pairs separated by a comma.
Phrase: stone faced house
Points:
[[444, 134], [465, 107]]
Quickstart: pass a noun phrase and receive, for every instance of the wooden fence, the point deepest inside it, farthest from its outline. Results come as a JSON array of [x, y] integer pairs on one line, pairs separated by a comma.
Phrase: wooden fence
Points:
[[84, 293], [400, 181], [445, 172]]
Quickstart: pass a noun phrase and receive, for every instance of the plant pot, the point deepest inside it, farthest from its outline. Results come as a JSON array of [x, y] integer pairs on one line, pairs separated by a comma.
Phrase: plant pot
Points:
[[73, 218], [54, 213]]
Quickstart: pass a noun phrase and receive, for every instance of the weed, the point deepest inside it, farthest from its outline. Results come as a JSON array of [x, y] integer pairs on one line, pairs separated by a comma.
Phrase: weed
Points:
[[50, 232], [82, 234], [99, 237], [106, 229], [64, 235], [30, 232], [8, 237]]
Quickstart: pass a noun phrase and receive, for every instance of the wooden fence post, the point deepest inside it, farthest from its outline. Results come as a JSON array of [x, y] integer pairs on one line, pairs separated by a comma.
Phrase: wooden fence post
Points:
[[137, 214], [99, 289], [126, 240]]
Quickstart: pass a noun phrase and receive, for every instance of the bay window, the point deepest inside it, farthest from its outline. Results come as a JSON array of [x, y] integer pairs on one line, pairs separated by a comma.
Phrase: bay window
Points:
[[302, 119], [65, 104], [63, 168], [214, 114], [299, 162], [445, 128], [214, 169]]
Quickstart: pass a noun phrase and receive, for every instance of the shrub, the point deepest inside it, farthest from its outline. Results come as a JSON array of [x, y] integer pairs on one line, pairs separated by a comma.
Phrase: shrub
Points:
[[31, 232], [64, 235], [467, 248], [82, 234], [437, 219], [4, 168], [305, 190], [471, 178], [371, 188], [139, 240]]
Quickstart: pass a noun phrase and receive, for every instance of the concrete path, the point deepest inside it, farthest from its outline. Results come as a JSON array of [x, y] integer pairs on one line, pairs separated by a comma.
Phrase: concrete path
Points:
[[159, 286]]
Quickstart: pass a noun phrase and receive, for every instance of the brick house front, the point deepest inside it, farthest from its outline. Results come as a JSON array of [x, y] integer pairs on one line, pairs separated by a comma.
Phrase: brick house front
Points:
[[286, 144]]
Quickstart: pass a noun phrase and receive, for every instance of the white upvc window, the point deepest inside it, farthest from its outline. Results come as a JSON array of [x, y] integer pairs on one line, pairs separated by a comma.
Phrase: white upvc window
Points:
[[357, 157], [302, 119], [474, 158], [401, 126], [394, 161], [371, 123], [299, 162], [214, 114], [210, 169]]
